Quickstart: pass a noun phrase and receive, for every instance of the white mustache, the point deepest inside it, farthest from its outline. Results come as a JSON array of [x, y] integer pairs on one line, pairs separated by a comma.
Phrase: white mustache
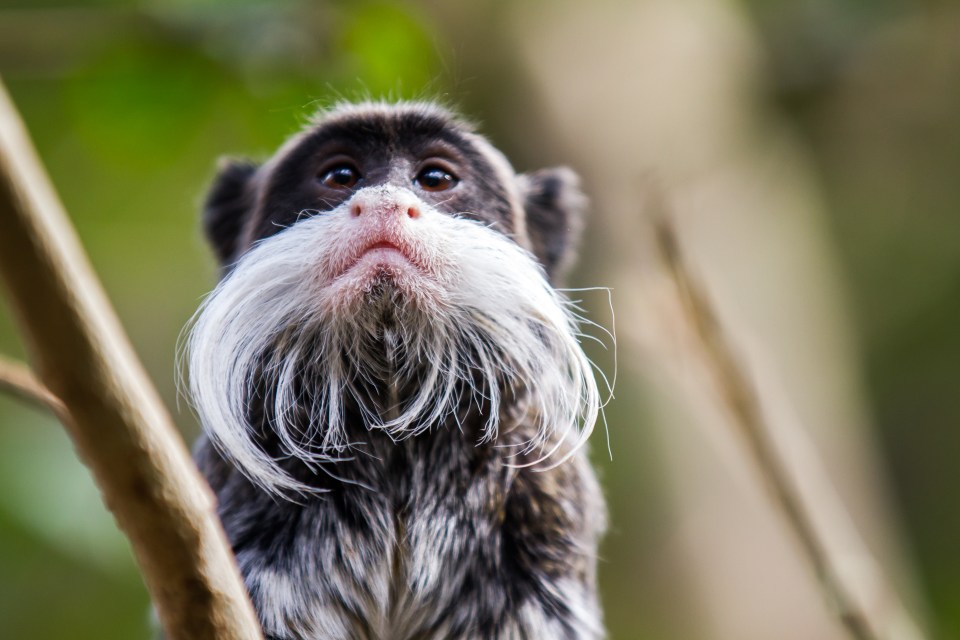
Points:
[[475, 317]]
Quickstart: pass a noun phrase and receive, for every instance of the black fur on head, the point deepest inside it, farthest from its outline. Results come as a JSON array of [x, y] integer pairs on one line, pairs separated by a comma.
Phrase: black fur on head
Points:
[[541, 210], [554, 208], [227, 206]]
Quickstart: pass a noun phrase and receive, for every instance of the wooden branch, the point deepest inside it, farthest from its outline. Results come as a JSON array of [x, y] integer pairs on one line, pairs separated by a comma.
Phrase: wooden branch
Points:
[[864, 601], [17, 380], [115, 418]]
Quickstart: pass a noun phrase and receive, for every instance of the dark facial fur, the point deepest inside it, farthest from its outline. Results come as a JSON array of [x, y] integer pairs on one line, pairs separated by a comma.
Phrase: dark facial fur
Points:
[[356, 509]]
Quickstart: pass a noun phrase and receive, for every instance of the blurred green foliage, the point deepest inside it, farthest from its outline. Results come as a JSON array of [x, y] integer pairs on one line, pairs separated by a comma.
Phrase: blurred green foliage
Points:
[[131, 103]]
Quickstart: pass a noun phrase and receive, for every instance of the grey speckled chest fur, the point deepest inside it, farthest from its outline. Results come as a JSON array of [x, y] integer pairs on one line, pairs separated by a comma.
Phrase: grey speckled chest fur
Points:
[[433, 537]]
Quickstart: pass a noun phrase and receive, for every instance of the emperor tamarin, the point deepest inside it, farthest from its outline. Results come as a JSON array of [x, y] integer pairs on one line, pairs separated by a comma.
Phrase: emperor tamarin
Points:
[[393, 393]]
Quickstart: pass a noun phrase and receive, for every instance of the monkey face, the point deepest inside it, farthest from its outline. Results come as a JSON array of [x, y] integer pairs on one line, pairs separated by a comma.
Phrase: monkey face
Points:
[[415, 146], [387, 247], [441, 164]]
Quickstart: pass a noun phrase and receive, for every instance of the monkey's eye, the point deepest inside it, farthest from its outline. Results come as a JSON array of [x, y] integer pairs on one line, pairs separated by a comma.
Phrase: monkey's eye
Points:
[[435, 179], [342, 176]]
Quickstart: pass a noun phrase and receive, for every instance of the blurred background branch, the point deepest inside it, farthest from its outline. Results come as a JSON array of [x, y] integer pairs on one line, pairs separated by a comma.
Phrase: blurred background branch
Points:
[[854, 586]]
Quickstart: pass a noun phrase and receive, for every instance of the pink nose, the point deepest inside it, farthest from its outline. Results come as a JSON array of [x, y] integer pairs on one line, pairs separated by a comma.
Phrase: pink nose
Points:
[[385, 204]]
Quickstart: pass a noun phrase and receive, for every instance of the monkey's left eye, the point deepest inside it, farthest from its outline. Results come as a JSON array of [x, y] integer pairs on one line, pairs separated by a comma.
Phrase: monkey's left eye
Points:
[[342, 176], [435, 179]]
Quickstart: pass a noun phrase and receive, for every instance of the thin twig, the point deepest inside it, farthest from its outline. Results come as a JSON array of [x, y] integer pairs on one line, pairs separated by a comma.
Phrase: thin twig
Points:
[[114, 416], [883, 618], [17, 380]]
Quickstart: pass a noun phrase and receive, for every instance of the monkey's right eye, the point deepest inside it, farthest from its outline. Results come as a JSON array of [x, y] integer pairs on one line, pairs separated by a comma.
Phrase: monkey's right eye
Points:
[[342, 176]]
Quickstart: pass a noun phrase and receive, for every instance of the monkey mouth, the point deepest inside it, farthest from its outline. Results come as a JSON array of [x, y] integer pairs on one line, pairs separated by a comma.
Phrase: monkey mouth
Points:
[[382, 258], [383, 245], [383, 267]]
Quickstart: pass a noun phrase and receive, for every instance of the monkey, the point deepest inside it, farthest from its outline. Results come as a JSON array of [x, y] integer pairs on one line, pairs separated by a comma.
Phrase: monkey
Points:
[[393, 395]]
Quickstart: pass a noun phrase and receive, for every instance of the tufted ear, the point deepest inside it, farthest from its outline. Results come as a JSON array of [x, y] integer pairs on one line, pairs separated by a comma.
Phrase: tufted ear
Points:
[[554, 207], [227, 207]]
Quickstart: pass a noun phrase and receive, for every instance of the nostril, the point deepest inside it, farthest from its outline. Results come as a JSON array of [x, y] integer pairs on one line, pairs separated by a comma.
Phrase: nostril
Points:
[[413, 212], [355, 210]]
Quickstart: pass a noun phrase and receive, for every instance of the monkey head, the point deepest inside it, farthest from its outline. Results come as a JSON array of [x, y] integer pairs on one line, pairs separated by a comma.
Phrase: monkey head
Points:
[[387, 266]]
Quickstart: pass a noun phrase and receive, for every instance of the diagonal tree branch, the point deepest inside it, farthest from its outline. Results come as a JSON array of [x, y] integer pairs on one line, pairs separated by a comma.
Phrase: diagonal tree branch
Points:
[[866, 603], [116, 420]]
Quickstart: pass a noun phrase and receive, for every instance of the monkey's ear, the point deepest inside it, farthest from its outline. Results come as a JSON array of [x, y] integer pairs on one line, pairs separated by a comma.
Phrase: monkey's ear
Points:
[[555, 208], [227, 207]]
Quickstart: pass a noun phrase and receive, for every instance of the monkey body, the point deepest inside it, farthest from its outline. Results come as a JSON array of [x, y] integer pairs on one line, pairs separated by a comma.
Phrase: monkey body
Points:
[[427, 538], [393, 395]]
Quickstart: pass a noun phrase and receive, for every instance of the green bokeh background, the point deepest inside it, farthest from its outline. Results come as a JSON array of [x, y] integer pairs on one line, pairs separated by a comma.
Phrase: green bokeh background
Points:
[[130, 104]]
